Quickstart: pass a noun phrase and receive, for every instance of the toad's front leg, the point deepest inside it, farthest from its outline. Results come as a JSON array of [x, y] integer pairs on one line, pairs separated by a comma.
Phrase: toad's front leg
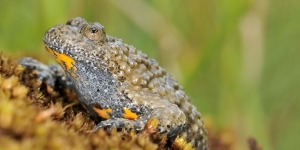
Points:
[[51, 75], [171, 119]]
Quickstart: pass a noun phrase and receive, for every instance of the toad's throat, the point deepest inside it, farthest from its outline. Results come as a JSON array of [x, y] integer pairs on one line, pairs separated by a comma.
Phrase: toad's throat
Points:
[[65, 61]]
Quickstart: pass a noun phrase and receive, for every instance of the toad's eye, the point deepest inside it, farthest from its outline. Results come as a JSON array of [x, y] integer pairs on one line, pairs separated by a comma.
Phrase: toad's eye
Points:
[[94, 31]]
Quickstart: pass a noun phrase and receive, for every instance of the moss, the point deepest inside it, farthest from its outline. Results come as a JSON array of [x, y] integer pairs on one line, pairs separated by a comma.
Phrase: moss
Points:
[[34, 117]]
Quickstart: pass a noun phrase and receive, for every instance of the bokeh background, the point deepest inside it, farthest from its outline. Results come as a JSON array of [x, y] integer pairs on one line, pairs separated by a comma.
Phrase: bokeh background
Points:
[[237, 59]]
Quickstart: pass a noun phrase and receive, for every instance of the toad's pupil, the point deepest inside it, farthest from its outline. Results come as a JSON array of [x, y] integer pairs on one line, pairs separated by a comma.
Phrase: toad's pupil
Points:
[[94, 30]]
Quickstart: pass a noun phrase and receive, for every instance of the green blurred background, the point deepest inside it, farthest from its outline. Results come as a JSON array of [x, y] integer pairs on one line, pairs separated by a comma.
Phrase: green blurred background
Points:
[[236, 59]]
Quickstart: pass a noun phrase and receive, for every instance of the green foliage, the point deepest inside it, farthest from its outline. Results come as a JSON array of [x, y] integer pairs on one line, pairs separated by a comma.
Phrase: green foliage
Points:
[[237, 59]]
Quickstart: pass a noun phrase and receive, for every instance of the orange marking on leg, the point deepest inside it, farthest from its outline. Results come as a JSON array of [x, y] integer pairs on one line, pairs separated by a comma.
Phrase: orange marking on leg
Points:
[[128, 114], [103, 113]]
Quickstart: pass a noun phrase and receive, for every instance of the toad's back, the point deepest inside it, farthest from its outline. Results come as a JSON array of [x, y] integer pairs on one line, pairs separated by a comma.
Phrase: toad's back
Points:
[[120, 85]]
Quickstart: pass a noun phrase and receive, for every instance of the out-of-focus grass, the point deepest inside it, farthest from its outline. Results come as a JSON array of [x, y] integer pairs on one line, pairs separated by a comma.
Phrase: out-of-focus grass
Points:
[[238, 60]]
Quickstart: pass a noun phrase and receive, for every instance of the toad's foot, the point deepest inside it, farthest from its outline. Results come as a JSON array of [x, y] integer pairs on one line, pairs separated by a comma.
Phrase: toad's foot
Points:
[[121, 123]]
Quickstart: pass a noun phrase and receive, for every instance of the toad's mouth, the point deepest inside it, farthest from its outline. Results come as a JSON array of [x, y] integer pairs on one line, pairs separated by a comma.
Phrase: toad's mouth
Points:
[[64, 60]]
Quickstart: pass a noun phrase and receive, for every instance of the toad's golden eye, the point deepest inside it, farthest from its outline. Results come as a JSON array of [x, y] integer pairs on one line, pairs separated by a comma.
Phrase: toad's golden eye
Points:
[[94, 31]]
